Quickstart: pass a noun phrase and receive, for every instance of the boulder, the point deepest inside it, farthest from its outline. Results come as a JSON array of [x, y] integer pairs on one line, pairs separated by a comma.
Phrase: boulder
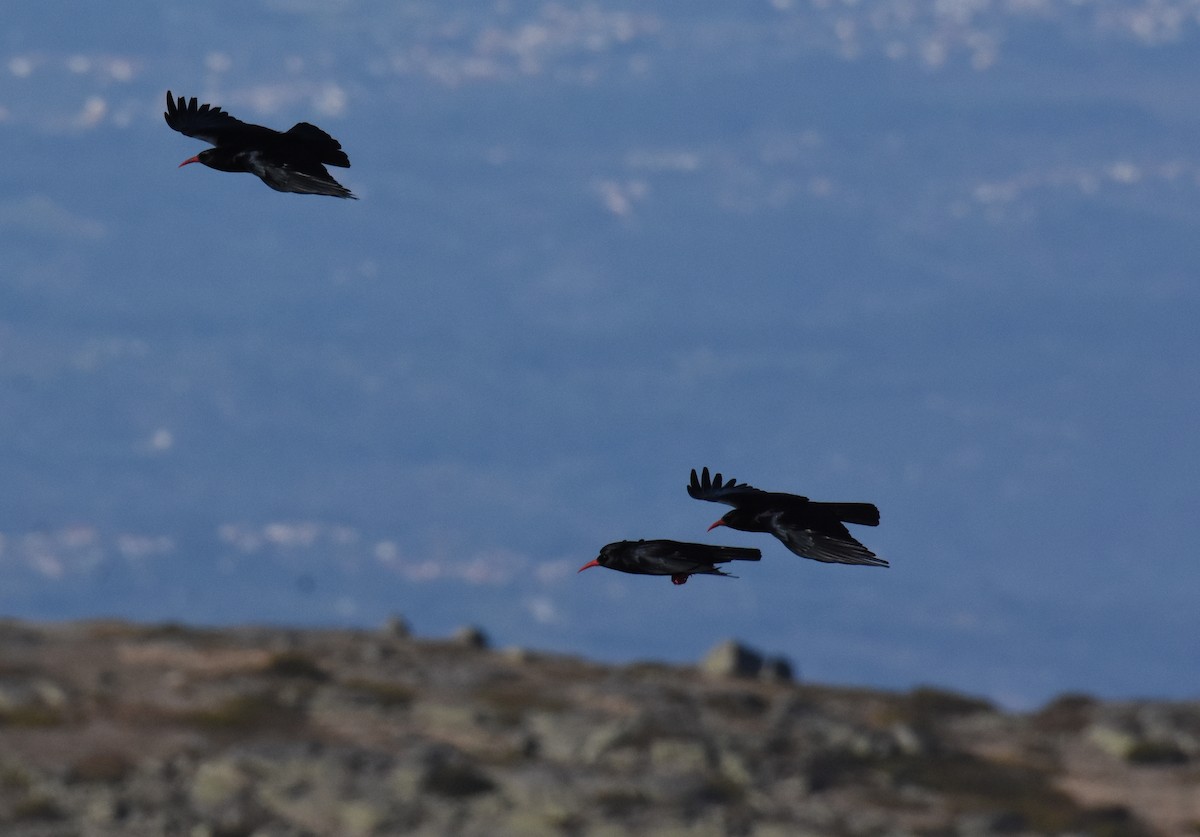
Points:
[[732, 659], [471, 636], [396, 627]]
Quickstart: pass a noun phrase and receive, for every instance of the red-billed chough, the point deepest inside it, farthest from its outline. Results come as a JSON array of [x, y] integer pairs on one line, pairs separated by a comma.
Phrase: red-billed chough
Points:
[[288, 161], [808, 528], [674, 558]]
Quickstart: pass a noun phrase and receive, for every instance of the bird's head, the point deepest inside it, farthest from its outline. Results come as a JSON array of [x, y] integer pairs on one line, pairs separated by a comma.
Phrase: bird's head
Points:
[[604, 559], [202, 157], [215, 158], [736, 519]]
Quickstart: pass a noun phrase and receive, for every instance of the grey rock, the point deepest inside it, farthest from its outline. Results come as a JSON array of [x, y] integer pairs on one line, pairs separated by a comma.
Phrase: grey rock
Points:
[[732, 659], [374, 653], [360, 817], [396, 627], [604, 738], [20, 694], [907, 740], [217, 783], [675, 755], [736, 769], [1112, 740], [471, 636], [777, 670]]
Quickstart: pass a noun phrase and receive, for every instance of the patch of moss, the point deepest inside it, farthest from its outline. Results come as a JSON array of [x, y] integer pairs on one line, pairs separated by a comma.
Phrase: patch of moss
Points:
[[832, 768], [170, 630], [925, 709], [968, 780], [295, 665], [737, 704], [1110, 821], [1014, 793], [1020, 791], [509, 701], [15, 777], [620, 802], [37, 807], [648, 668], [107, 766], [1066, 714], [246, 712], [17, 670], [34, 715], [720, 790], [1155, 752], [456, 780], [383, 693], [926, 702], [111, 629]]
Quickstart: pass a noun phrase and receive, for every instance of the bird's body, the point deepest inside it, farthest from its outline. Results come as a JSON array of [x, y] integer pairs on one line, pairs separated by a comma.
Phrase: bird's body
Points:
[[674, 558], [808, 528], [288, 161]]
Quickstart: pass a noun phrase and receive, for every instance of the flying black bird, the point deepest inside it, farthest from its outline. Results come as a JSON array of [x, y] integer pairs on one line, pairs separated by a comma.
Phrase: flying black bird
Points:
[[291, 161], [808, 528], [674, 558]]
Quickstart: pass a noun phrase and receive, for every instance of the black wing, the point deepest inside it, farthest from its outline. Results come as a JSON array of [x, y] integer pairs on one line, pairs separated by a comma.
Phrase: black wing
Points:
[[832, 546], [312, 183], [207, 122], [698, 553], [306, 179], [717, 490]]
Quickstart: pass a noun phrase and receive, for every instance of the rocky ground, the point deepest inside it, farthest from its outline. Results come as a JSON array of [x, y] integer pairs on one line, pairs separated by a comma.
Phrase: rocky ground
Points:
[[108, 728]]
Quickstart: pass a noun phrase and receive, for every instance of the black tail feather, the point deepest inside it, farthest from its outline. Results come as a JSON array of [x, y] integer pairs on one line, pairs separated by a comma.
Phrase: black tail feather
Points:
[[737, 553], [328, 149], [862, 514]]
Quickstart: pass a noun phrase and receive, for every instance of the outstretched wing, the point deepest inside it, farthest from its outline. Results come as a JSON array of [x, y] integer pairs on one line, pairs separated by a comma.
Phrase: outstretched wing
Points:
[[307, 183], [831, 548], [207, 122], [312, 179], [717, 490]]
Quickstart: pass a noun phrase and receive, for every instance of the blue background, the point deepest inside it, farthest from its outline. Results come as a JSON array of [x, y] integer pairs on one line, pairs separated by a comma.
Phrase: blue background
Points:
[[942, 258]]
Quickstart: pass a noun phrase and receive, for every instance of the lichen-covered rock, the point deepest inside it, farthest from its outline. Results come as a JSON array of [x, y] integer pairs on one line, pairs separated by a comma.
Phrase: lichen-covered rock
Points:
[[680, 755], [218, 783]]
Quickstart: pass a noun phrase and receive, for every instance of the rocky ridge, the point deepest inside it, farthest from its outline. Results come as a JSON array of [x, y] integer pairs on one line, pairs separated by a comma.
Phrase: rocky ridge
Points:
[[110, 728]]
